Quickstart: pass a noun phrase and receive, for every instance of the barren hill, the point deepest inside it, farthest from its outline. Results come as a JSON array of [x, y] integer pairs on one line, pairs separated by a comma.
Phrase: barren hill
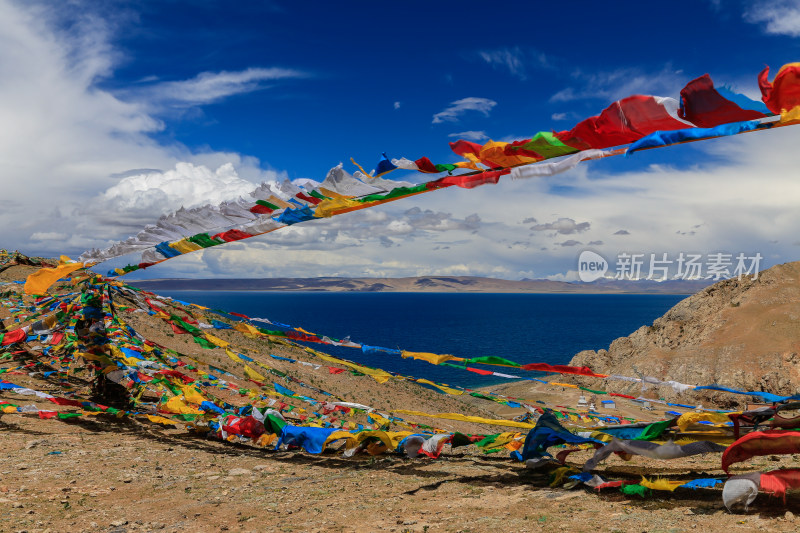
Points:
[[427, 284], [743, 334]]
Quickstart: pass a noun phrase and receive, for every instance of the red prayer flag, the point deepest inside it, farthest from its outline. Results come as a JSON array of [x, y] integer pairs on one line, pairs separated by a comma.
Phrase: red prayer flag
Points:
[[777, 481], [563, 369], [783, 94], [704, 107], [623, 122], [14, 336], [259, 209], [65, 401], [308, 198], [761, 443], [480, 371], [424, 164]]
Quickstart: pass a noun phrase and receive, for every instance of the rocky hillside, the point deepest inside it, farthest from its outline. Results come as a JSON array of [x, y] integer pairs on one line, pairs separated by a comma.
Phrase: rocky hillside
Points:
[[743, 334]]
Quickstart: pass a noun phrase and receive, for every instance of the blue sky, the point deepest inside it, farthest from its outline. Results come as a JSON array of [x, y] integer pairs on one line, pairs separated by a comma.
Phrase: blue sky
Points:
[[199, 101], [353, 64]]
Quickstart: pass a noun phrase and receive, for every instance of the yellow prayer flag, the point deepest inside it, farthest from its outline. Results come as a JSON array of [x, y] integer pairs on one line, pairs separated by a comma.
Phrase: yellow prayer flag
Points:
[[252, 374], [279, 202], [42, 279], [161, 420], [381, 376], [216, 340], [333, 194], [234, 356], [185, 246], [687, 419], [193, 395], [177, 405], [443, 388], [432, 358], [790, 116], [466, 418], [328, 208], [661, 484], [247, 329]]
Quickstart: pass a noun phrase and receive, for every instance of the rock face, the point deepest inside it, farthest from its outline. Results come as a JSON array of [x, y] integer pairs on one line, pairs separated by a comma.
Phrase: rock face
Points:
[[743, 334]]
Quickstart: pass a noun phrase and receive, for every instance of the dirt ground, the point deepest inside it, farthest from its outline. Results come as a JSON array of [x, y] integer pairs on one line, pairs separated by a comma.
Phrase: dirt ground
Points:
[[111, 475], [103, 473]]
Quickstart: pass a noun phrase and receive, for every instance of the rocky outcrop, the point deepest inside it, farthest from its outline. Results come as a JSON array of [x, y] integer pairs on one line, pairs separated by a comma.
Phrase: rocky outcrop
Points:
[[743, 334]]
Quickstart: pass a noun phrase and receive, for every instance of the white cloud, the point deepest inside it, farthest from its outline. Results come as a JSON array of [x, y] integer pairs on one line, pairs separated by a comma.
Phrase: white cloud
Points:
[[139, 199], [777, 17], [210, 87], [470, 135], [558, 116], [563, 226], [397, 105], [67, 141], [515, 60], [569, 276], [619, 83], [49, 236], [459, 107], [509, 58]]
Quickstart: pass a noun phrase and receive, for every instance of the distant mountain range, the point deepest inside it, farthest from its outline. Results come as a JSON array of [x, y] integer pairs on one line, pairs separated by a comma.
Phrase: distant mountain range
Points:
[[427, 284]]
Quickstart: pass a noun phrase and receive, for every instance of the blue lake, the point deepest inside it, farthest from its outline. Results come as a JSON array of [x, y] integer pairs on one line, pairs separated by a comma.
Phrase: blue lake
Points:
[[525, 328]]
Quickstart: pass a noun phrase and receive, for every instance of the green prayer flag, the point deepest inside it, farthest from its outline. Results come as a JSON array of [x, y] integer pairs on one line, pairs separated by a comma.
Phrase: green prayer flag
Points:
[[394, 193], [492, 360], [635, 490], [547, 145], [654, 430], [267, 204], [205, 343]]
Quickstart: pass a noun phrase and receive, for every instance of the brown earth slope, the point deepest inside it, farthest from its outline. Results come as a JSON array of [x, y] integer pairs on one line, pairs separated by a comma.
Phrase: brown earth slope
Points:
[[102, 473], [743, 334]]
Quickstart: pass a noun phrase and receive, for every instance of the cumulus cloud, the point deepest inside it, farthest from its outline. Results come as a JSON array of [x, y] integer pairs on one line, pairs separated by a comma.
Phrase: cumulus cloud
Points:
[[453, 112], [563, 226], [622, 232], [780, 17], [470, 135], [141, 198], [570, 242]]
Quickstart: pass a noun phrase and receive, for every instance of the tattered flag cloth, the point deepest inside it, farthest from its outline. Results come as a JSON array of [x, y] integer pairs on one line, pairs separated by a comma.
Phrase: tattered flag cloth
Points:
[[548, 432], [651, 450]]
